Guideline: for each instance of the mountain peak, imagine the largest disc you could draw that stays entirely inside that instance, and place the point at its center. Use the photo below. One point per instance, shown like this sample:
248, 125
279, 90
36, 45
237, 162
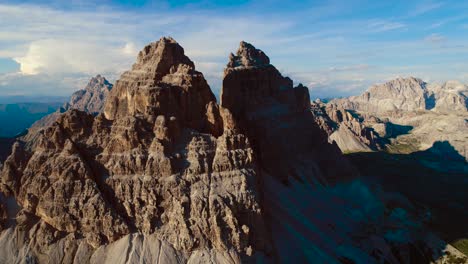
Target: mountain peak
163, 81
98, 83
248, 56
159, 57
406, 82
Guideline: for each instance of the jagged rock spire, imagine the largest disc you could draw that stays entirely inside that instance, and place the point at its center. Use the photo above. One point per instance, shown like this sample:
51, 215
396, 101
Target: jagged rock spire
98, 82
163, 81
250, 81
247, 56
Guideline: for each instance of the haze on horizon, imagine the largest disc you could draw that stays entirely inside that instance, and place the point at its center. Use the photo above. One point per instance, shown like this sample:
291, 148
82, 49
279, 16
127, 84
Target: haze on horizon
336, 48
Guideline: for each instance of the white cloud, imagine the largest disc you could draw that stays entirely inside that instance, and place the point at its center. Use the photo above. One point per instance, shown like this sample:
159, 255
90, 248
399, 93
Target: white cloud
64, 56
378, 26
426, 7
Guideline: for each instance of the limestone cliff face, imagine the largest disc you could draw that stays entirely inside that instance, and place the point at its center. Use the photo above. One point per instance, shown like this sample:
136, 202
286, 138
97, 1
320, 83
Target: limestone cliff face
452, 96
167, 175
162, 81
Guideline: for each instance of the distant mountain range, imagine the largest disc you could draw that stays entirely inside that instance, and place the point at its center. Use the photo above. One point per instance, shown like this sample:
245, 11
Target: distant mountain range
402, 116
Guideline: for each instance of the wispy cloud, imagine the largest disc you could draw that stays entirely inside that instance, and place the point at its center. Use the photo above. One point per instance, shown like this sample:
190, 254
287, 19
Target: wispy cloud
426, 7
358, 67
378, 26
435, 38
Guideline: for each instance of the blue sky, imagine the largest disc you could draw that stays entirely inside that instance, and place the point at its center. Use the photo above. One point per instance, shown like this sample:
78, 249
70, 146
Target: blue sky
336, 48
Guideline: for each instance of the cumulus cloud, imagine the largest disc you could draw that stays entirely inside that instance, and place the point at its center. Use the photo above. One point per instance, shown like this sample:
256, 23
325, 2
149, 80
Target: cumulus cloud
64, 56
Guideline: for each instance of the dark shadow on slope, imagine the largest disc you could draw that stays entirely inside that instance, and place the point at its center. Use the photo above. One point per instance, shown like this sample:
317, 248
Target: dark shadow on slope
5, 148
430, 101
355, 115
394, 130
435, 180
7, 143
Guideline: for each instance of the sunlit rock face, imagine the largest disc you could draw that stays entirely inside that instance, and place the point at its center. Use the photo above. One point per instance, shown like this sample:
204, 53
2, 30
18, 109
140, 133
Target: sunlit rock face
409, 94
163, 81
167, 175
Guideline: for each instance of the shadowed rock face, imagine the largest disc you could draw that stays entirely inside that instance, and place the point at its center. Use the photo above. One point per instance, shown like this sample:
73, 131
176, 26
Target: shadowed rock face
277, 118
166, 174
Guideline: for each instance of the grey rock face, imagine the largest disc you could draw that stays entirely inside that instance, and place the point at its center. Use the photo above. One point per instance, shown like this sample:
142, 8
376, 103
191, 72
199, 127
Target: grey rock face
408, 94
92, 98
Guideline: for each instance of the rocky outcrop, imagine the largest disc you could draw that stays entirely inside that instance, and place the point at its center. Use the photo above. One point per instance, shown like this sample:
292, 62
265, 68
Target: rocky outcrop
270, 107
165, 174
348, 130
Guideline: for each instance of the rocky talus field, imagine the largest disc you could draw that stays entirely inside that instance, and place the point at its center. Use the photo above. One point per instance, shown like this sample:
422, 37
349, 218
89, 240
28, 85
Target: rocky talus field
160, 172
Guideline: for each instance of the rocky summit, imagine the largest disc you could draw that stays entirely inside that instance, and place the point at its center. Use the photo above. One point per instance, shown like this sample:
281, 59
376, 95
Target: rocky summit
410, 94
165, 174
